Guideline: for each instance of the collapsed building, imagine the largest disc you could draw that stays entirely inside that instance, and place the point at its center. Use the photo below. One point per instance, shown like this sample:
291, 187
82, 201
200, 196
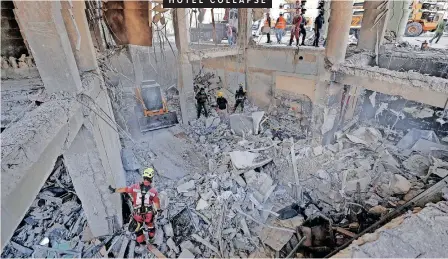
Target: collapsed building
340, 151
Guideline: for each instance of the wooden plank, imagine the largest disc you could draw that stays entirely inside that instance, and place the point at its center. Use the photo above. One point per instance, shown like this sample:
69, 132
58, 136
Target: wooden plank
344, 231
155, 251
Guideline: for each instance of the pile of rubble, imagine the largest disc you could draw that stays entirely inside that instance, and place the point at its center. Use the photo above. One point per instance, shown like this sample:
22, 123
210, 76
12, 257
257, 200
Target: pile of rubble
22, 62
253, 195
55, 225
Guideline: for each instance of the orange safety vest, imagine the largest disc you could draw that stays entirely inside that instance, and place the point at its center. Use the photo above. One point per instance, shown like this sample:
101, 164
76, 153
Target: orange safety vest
281, 23
266, 22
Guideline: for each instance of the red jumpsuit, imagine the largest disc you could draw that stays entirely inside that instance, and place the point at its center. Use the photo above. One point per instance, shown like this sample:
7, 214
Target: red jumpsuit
295, 30
145, 214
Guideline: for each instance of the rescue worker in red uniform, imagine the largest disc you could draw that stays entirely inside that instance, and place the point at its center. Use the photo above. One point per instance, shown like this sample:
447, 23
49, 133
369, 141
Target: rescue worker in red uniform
146, 204
295, 29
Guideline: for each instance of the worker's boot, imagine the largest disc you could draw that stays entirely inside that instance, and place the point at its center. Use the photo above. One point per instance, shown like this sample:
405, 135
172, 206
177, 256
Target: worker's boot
290, 42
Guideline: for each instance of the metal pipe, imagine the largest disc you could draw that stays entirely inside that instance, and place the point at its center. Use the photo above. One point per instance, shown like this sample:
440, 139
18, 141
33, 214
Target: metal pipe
296, 247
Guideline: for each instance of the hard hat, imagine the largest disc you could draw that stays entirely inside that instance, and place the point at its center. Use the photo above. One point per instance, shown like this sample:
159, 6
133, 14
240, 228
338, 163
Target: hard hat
220, 94
240, 84
149, 172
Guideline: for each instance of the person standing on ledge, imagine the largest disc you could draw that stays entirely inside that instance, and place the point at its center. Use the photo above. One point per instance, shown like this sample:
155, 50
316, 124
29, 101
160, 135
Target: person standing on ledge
280, 26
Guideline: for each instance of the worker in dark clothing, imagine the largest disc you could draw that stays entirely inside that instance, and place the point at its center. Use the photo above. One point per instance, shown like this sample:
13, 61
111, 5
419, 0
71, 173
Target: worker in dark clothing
201, 98
240, 96
318, 23
302, 29
267, 27
221, 102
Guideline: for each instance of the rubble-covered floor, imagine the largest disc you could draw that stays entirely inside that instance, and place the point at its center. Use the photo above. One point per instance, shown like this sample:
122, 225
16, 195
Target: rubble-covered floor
229, 201
413, 235
55, 225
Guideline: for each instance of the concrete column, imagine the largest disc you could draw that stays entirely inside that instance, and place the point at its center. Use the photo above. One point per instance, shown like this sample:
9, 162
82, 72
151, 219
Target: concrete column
75, 20
338, 30
244, 26
328, 95
373, 24
244, 37
47, 37
327, 13
398, 17
91, 181
185, 69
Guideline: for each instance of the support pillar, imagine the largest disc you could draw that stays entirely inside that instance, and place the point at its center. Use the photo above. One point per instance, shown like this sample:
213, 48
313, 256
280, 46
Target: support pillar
185, 69
327, 13
244, 37
398, 17
338, 30
373, 24
91, 181
47, 37
328, 95
75, 20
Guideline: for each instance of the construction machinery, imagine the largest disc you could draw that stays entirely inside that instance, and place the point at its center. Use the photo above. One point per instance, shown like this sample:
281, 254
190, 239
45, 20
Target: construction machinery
152, 111
424, 17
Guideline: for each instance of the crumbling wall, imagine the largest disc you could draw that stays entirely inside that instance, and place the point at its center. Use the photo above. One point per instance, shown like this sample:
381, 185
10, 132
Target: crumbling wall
269, 69
12, 41
399, 114
426, 63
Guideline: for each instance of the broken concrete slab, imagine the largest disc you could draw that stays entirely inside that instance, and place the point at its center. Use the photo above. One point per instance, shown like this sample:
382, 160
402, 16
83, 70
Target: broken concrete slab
168, 230
245, 160
365, 135
241, 124
185, 187
414, 135
186, 254
275, 238
130, 162
170, 243
425, 147
256, 119
212, 122
399, 184
352, 177
441, 172
417, 164
202, 204
318, 150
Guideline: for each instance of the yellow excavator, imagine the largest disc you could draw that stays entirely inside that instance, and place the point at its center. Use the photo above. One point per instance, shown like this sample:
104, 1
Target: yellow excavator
424, 17
152, 111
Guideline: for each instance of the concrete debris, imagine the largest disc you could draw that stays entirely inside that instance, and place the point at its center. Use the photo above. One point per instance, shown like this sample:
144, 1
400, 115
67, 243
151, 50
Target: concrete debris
399, 184
168, 230
418, 112
425, 147
212, 122
186, 254
351, 179
53, 226
130, 162
202, 204
245, 160
417, 164
441, 172
367, 136
378, 210
185, 187
414, 135
170, 243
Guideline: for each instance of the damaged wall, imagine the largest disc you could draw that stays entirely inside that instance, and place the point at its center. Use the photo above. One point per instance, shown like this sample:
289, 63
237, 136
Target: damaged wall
387, 110
271, 70
12, 41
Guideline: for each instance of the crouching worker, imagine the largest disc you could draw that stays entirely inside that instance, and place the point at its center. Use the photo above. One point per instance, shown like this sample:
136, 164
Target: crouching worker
146, 205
